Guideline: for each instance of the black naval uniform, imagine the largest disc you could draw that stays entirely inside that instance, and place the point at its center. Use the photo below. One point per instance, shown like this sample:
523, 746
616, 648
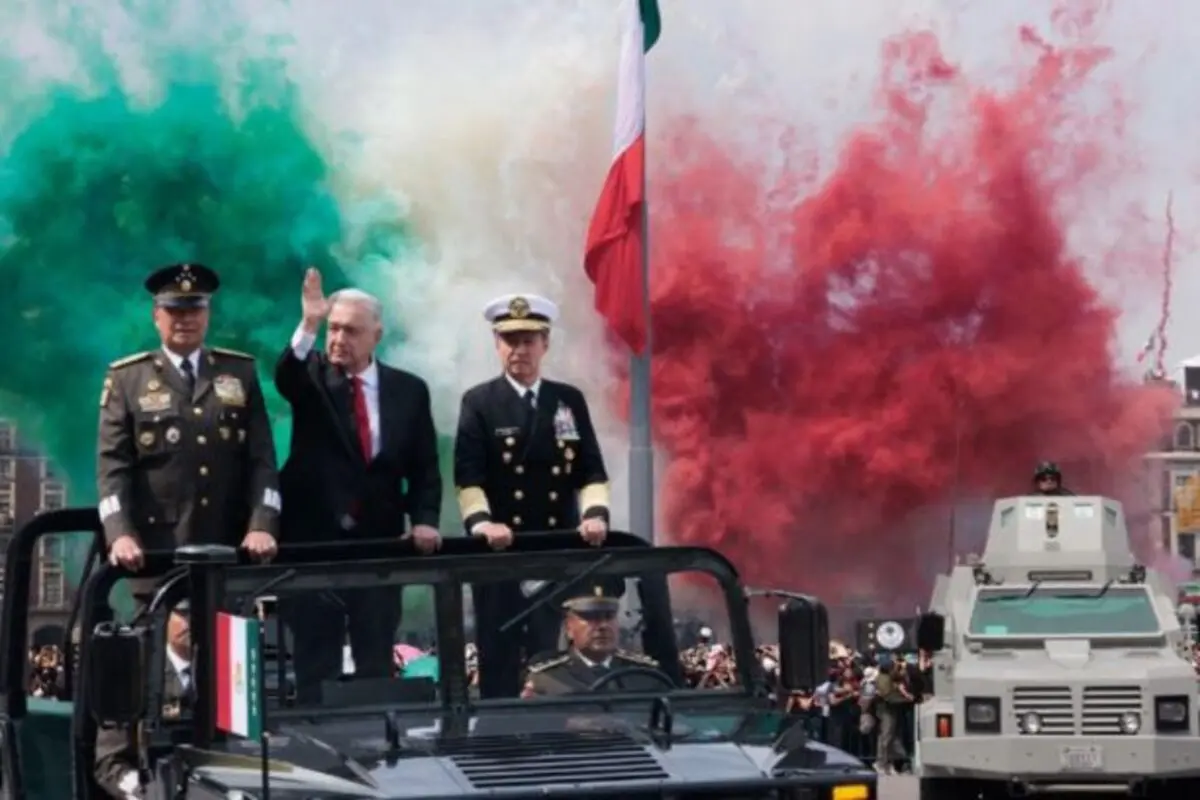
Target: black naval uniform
534, 470
179, 465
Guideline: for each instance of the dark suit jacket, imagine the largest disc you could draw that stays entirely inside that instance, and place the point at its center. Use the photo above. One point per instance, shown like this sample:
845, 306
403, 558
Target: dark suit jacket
326, 478
532, 474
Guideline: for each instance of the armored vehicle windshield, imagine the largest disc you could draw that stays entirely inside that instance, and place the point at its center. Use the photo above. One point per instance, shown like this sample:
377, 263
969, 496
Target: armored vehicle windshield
1063, 611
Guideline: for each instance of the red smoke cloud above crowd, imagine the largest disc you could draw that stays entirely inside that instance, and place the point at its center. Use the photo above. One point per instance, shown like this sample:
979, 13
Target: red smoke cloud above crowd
913, 327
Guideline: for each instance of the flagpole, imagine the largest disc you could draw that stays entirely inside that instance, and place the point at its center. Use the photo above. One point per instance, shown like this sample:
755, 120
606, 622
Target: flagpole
641, 450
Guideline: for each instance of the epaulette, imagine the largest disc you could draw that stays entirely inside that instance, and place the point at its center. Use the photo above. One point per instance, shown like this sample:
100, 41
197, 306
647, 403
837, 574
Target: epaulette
636, 658
542, 666
222, 351
133, 359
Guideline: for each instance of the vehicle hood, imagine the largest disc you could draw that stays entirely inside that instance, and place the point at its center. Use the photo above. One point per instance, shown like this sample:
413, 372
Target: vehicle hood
520, 754
1053, 664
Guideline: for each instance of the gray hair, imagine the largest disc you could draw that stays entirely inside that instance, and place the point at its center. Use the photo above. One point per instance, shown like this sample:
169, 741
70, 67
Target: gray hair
361, 298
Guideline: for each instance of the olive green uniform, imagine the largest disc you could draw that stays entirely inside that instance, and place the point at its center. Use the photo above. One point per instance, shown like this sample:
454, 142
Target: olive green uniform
571, 673
176, 467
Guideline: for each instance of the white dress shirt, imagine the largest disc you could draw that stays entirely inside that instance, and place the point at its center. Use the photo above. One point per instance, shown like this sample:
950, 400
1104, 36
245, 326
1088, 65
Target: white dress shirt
177, 361
521, 390
302, 345
183, 669
606, 663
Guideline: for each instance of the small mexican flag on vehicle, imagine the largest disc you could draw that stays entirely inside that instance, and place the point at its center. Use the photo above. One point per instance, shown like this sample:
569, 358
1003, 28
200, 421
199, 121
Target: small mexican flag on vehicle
239, 676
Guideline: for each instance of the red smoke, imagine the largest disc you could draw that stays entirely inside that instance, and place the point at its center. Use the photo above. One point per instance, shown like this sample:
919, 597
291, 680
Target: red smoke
820, 362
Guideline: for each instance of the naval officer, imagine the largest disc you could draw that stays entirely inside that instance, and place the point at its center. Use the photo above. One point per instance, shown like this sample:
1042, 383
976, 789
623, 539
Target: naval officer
526, 459
184, 452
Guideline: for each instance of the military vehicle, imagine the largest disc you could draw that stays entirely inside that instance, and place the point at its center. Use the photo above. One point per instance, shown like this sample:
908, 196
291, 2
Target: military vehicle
1058, 663
427, 737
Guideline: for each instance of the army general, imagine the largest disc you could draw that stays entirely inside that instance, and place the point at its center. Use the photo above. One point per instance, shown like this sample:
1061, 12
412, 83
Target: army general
526, 458
184, 452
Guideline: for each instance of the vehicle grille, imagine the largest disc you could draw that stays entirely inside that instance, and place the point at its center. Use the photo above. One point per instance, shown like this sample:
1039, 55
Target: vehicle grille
1102, 708
510, 762
1053, 704
1104, 705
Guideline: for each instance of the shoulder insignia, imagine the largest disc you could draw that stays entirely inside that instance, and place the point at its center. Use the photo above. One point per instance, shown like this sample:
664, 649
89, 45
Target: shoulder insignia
133, 359
542, 666
636, 658
222, 351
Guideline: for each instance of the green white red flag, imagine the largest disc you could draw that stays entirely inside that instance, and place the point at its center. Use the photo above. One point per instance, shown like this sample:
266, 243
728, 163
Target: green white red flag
239, 676
614, 257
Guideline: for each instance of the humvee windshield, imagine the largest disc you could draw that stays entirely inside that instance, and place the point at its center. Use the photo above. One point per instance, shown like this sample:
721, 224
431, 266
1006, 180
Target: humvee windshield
1063, 612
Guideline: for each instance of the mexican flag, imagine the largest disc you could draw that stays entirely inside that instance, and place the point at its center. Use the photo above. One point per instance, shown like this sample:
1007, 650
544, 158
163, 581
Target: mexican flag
613, 258
239, 676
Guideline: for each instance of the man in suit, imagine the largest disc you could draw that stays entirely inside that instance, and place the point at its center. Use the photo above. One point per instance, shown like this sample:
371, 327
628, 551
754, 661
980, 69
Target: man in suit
593, 634
526, 458
184, 451
116, 766
363, 457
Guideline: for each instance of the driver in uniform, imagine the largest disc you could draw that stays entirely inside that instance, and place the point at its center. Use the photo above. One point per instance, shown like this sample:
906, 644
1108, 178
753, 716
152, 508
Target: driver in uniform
592, 632
1048, 480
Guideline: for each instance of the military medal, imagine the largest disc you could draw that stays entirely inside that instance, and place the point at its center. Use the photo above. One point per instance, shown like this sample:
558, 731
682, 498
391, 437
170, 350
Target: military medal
241, 435
225, 433
564, 424
569, 454
229, 389
146, 438
173, 435
152, 385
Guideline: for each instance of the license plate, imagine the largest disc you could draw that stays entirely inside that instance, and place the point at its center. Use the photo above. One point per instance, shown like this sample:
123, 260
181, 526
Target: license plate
1082, 759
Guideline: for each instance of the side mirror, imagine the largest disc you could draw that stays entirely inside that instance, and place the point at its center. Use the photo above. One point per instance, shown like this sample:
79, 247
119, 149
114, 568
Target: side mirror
931, 632
116, 688
803, 644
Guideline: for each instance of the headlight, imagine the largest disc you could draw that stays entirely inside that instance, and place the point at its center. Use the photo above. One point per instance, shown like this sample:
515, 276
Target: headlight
1031, 723
1171, 713
1131, 723
982, 714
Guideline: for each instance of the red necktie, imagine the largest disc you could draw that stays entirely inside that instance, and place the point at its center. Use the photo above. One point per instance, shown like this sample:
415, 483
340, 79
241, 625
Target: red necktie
362, 420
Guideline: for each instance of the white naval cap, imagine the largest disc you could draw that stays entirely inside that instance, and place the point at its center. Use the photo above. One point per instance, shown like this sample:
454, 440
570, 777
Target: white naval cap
520, 312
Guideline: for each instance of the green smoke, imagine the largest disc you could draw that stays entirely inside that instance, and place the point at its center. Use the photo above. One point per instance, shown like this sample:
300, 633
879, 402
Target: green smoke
99, 185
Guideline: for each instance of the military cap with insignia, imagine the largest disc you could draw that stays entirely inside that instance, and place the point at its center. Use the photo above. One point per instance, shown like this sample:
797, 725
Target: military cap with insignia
520, 312
603, 595
182, 286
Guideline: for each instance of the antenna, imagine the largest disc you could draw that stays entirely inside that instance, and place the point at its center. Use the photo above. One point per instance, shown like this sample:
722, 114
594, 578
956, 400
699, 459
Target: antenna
952, 534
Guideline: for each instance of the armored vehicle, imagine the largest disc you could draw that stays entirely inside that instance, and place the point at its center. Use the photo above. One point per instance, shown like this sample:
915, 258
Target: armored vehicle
422, 737
1058, 662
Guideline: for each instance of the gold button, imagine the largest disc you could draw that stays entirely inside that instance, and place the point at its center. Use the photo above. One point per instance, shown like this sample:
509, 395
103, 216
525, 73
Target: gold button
198, 411
555, 470
510, 441
520, 470
150, 520
552, 522
554, 495
516, 520
519, 494
204, 470
201, 440
203, 501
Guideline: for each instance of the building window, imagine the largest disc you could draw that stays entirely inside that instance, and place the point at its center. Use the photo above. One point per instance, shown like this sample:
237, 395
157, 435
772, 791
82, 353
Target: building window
54, 496
8, 469
51, 579
1184, 437
52, 586
8, 436
49, 473
1187, 546
8, 497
